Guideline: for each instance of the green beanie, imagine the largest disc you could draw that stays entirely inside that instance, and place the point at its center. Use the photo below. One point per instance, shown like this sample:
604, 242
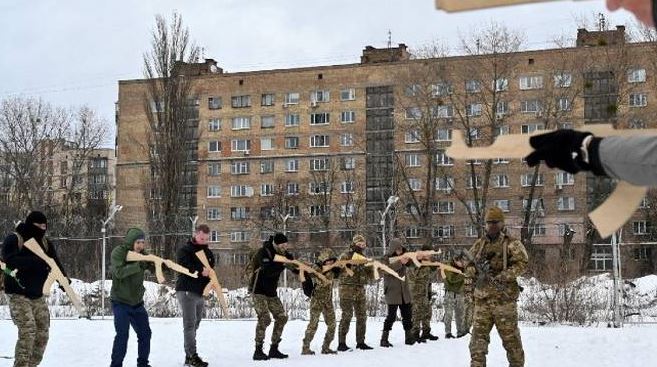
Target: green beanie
133, 235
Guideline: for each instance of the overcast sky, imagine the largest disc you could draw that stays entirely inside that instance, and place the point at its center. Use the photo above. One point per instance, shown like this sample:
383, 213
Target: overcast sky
73, 52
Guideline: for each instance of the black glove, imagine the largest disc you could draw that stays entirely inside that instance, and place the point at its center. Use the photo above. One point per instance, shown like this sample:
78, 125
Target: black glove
336, 272
559, 149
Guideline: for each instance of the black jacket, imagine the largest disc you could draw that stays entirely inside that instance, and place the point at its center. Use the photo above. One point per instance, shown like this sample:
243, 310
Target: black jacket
32, 271
186, 256
265, 279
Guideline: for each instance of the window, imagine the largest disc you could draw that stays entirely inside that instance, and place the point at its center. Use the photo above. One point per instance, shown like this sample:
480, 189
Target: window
530, 128
214, 146
347, 187
266, 190
267, 122
415, 184
293, 211
501, 181
472, 86
441, 89
637, 124
319, 141
240, 236
413, 113
412, 160
240, 145
473, 206
214, 125
215, 236
240, 101
500, 161
348, 94
501, 85
601, 258
292, 188
214, 103
238, 191
315, 188
321, 164
213, 214
214, 169
445, 183
347, 117
565, 203
214, 191
241, 123
501, 109
474, 182
443, 207
443, 231
539, 229
474, 133
642, 253
318, 210
267, 99
471, 231
291, 98
444, 111
347, 210
531, 82
412, 232
638, 100
266, 143
443, 134
563, 80
504, 204
412, 90
292, 119
645, 203
536, 205
239, 168
564, 104
291, 142
528, 178
320, 96
347, 139
292, 165
321, 118
412, 209
473, 110
443, 160
267, 166
502, 130
240, 213
347, 163
641, 227
636, 76
530, 106
412, 136
564, 178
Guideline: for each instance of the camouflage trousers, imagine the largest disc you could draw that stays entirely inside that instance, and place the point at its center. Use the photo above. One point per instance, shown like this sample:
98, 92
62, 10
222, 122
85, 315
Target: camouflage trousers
454, 306
504, 315
352, 300
317, 308
263, 306
421, 313
468, 311
32, 318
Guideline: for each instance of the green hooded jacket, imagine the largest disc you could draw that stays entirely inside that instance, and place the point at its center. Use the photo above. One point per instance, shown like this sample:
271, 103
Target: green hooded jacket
127, 277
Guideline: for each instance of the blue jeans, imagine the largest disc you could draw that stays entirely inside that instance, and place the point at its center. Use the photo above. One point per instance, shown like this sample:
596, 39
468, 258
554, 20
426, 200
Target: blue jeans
125, 316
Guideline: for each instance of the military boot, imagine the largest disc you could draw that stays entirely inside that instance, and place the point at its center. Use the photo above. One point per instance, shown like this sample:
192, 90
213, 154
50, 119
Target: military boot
410, 338
342, 347
327, 350
426, 335
363, 346
259, 355
384, 339
306, 351
275, 353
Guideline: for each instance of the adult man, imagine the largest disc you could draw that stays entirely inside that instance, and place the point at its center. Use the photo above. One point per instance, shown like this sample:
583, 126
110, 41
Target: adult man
189, 291
420, 279
321, 303
127, 296
398, 296
454, 301
352, 297
263, 284
498, 259
27, 305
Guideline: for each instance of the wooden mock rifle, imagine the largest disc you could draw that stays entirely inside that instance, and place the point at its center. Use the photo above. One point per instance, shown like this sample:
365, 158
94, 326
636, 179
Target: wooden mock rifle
10, 273
56, 275
376, 266
214, 283
302, 267
158, 261
443, 267
413, 256
460, 5
343, 264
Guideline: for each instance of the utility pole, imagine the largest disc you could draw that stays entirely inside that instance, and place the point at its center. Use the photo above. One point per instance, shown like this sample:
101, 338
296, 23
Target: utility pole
113, 210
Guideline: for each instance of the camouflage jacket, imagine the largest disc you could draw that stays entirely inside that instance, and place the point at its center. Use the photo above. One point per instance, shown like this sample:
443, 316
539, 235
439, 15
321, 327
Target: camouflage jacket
420, 280
362, 274
503, 272
323, 292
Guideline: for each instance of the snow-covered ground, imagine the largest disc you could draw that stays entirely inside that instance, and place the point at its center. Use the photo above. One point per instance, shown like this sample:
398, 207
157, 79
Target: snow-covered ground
84, 343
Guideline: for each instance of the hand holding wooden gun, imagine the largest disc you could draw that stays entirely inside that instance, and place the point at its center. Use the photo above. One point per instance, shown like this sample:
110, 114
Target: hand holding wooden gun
158, 261
214, 283
344, 264
413, 256
376, 266
301, 266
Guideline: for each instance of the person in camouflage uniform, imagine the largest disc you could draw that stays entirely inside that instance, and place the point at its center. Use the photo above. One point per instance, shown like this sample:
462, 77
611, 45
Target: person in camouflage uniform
454, 302
352, 297
321, 303
498, 260
468, 297
420, 283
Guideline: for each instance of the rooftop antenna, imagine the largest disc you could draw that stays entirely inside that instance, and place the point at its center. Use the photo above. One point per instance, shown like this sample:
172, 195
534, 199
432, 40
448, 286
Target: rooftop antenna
478, 44
602, 22
389, 39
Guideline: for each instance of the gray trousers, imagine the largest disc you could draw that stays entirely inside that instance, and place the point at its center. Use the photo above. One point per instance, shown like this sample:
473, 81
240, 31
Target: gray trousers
192, 306
454, 304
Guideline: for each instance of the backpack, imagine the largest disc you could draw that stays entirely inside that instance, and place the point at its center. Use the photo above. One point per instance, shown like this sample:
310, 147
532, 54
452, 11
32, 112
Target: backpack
308, 287
251, 267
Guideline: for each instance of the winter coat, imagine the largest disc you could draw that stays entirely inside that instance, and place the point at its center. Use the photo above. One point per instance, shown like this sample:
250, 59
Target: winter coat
32, 270
396, 292
265, 279
362, 274
127, 276
186, 256
454, 282
632, 159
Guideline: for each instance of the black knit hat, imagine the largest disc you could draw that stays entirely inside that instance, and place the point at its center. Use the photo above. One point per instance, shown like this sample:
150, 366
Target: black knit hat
279, 238
36, 217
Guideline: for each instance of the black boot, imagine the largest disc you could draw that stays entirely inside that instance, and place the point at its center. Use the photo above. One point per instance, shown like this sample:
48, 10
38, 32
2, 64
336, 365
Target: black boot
462, 334
409, 337
275, 353
259, 355
449, 336
195, 361
363, 346
426, 335
342, 347
384, 339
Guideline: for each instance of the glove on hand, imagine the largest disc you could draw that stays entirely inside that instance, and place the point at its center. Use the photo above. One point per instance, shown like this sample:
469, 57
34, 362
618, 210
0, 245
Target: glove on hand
559, 149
